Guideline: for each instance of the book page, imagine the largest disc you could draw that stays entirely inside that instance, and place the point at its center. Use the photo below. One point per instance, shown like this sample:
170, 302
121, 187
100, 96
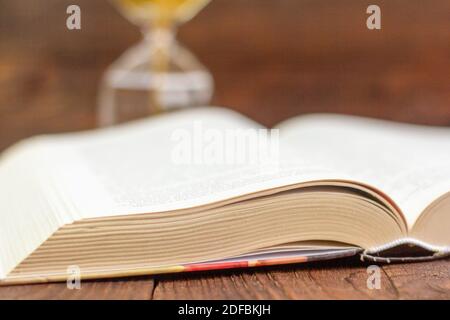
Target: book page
169, 162
409, 163
30, 207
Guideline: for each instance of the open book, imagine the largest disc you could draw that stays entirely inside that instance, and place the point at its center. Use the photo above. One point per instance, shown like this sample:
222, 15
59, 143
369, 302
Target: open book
167, 194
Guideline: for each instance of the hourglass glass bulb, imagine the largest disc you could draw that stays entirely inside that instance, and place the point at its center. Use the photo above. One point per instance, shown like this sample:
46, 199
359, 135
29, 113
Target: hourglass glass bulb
154, 12
158, 74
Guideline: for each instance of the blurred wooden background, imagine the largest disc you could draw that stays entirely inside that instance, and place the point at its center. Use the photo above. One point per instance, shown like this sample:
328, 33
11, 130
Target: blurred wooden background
271, 59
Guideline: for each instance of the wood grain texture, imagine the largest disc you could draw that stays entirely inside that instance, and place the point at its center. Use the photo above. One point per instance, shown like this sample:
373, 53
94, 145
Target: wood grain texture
129, 289
341, 279
271, 60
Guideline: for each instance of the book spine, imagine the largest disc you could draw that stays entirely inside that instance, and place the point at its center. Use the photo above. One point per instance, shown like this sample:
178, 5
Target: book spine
374, 258
376, 254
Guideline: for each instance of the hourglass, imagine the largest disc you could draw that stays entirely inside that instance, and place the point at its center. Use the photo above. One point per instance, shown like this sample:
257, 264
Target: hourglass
158, 74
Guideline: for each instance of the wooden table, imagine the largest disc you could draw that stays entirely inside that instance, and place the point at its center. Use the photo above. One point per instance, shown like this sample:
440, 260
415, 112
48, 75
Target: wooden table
271, 60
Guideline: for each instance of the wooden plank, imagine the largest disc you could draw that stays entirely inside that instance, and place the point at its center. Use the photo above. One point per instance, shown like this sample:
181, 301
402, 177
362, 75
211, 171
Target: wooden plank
343, 279
429, 280
121, 289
